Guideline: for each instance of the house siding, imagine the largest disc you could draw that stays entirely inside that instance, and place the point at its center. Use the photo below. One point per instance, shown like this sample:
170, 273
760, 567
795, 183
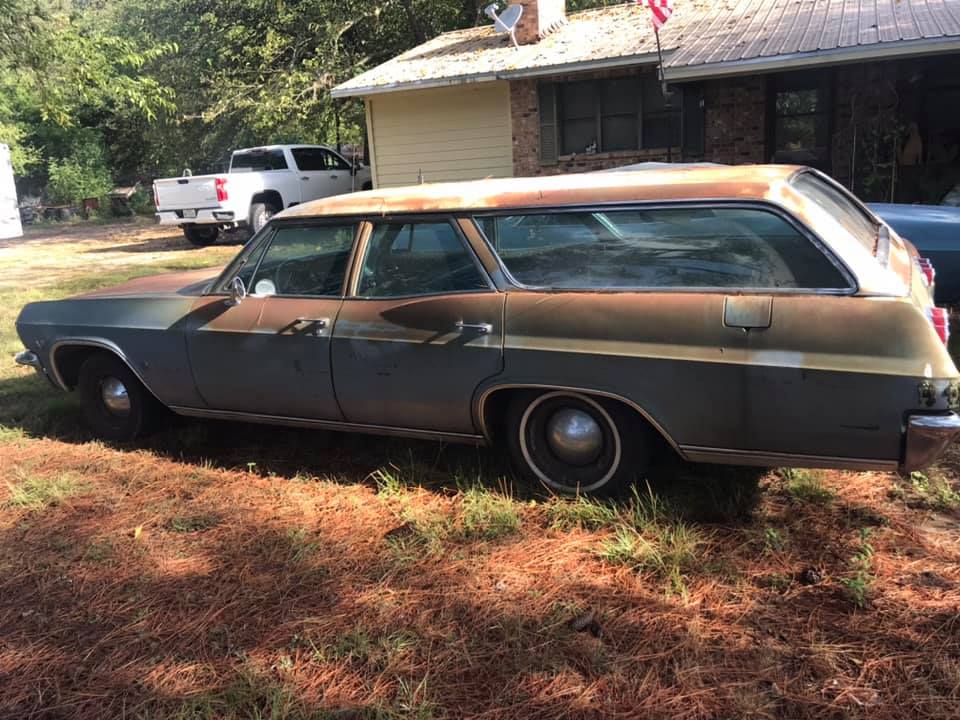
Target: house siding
442, 134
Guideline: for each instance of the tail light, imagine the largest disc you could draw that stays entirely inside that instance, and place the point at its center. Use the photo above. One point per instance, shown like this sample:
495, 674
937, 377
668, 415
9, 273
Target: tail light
940, 318
220, 184
156, 198
926, 269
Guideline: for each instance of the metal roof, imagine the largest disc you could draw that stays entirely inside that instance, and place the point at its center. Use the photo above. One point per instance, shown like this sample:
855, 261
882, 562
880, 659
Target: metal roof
701, 40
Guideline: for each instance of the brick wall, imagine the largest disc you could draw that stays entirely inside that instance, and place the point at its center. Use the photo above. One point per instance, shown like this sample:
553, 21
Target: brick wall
734, 128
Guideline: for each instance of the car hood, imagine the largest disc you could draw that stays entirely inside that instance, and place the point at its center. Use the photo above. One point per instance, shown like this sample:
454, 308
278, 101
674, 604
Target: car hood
189, 282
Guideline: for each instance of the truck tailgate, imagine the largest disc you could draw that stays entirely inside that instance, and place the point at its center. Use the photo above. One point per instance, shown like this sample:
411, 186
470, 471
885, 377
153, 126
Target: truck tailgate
187, 192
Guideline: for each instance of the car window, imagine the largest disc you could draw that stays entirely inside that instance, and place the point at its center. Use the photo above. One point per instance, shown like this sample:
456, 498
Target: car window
660, 247
841, 208
304, 261
258, 161
310, 159
417, 259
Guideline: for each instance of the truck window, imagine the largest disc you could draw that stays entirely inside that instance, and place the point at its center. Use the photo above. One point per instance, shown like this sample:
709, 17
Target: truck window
318, 159
258, 161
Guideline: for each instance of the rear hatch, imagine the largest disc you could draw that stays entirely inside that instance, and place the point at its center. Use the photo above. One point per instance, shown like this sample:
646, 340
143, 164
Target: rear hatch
186, 193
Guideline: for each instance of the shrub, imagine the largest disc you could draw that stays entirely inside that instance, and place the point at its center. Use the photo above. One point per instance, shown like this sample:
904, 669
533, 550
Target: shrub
82, 174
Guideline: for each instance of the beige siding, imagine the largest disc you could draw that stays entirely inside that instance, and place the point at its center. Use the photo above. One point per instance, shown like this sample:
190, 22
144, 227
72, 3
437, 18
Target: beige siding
456, 133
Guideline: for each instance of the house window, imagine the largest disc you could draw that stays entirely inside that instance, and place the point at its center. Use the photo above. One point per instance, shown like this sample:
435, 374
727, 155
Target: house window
625, 113
800, 132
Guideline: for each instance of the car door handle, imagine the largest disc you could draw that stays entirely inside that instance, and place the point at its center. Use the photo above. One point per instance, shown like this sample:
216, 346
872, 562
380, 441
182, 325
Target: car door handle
479, 328
304, 178
334, 177
314, 326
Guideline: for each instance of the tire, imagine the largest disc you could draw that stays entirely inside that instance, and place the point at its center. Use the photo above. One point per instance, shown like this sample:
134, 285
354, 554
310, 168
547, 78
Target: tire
201, 235
367, 186
612, 448
260, 214
130, 411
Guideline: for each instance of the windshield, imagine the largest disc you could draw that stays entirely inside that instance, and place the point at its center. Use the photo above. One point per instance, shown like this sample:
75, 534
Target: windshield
846, 212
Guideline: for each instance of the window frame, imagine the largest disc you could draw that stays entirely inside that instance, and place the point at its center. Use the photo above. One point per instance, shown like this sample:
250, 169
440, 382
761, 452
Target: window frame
221, 287
360, 254
844, 270
821, 81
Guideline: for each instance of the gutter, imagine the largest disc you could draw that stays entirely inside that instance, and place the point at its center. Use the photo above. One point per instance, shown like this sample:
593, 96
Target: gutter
546, 70
814, 58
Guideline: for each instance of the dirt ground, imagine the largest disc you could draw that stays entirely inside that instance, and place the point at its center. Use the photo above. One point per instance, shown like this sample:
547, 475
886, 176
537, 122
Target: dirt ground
233, 571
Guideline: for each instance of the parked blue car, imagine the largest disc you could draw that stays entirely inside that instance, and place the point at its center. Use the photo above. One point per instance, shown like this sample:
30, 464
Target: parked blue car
935, 231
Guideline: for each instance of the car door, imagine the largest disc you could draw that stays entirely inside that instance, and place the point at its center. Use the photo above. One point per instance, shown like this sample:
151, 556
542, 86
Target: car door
321, 173
422, 329
270, 354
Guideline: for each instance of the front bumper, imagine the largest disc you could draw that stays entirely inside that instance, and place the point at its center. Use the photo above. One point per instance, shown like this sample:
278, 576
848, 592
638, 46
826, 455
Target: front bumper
927, 437
28, 358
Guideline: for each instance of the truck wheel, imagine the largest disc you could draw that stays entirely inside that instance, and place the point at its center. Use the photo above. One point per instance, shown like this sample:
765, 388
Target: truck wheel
575, 444
114, 404
201, 235
367, 186
260, 214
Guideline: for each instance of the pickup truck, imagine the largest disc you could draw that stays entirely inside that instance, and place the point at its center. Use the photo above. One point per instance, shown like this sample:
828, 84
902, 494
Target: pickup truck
261, 181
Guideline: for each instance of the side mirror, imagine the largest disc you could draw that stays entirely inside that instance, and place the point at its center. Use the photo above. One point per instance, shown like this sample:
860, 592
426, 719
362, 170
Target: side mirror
238, 291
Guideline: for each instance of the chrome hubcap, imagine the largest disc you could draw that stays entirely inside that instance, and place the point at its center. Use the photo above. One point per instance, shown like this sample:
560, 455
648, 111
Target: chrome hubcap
574, 436
114, 395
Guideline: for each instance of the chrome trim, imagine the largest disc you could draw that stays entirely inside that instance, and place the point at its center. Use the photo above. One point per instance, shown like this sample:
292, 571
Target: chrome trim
481, 400
283, 420
761, 458
28, 358
927, 436
101, 343
479, 328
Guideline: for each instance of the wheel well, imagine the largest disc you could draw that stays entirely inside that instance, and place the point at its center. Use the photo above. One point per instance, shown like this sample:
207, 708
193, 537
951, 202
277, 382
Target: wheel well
269, 197
68, 359
495, 404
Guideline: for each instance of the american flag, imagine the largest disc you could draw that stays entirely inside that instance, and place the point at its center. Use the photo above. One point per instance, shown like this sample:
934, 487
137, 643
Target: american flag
660, 11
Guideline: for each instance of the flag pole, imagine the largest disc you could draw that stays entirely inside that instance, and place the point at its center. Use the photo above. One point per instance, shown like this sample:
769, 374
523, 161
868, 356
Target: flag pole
663, 82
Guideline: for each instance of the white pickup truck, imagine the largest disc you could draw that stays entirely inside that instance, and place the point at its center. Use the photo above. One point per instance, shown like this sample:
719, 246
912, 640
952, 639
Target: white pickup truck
261, 181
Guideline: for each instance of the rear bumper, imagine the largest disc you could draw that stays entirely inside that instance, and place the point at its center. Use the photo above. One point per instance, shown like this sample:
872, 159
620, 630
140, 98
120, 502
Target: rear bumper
204, 217
927, 437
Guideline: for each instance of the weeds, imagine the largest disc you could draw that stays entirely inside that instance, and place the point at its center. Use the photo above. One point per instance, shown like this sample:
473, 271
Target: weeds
857, 587
582, 512
934, 491
805, 485
192, 523
36, 492
487, 514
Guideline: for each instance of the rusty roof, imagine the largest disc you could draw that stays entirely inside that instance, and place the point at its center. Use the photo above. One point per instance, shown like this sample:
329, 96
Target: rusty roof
701, 39
732, 182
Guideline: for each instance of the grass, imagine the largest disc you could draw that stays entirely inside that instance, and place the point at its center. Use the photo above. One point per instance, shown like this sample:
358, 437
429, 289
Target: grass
35, 492
338, 577
805, 486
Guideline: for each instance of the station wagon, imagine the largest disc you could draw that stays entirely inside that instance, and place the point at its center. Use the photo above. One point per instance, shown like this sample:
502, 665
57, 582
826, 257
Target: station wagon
751, 315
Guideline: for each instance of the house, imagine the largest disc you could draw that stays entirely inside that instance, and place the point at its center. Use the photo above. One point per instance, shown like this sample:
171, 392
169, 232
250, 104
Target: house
869, 92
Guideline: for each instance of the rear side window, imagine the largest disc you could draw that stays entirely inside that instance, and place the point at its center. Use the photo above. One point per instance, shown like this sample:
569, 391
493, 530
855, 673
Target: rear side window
317, 159
258, 161
417, 259
853, 219
737, 248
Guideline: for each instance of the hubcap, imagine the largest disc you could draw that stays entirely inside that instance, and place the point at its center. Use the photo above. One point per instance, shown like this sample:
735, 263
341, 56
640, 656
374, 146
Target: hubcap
114, 395
574, 436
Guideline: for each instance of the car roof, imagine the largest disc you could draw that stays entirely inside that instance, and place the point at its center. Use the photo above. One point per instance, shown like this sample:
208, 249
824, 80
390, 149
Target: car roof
734, 182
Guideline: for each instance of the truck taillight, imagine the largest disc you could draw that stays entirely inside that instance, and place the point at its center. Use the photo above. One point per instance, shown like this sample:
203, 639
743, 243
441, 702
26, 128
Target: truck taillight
926, 269
156, 197
220, 184
940, 318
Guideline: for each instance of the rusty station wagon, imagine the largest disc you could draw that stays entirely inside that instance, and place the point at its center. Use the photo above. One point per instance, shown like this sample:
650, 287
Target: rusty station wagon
750, 315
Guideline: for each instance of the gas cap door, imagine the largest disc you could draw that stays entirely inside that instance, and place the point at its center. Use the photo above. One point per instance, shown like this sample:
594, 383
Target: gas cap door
749, 312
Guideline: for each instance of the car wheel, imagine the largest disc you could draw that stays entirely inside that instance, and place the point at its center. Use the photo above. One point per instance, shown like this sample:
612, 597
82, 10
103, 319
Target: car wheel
260, 214
114, 403
201, 235
575, 444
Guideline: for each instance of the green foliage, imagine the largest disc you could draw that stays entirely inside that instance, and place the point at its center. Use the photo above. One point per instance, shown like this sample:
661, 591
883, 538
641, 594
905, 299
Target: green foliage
487, 514
934, 491
805, 485
582, 512
35, 492
83, 174
858, 585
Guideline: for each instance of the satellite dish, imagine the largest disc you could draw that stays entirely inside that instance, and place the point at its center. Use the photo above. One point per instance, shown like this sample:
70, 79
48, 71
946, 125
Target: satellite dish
507, 22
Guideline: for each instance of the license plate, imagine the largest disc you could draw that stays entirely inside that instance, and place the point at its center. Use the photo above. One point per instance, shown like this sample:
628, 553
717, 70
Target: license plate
189, 213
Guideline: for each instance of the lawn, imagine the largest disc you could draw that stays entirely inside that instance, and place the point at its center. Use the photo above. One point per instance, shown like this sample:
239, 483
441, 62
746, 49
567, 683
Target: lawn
232, 571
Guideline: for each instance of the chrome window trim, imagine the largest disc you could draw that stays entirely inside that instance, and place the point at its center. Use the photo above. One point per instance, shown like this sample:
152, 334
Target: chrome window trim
760, 205
413, 219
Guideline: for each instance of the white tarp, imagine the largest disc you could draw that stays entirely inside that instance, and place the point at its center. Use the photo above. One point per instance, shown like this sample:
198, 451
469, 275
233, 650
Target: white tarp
9, 211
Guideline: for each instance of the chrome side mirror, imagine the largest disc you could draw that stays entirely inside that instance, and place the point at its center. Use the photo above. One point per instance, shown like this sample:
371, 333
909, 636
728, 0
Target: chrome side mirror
238, 291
